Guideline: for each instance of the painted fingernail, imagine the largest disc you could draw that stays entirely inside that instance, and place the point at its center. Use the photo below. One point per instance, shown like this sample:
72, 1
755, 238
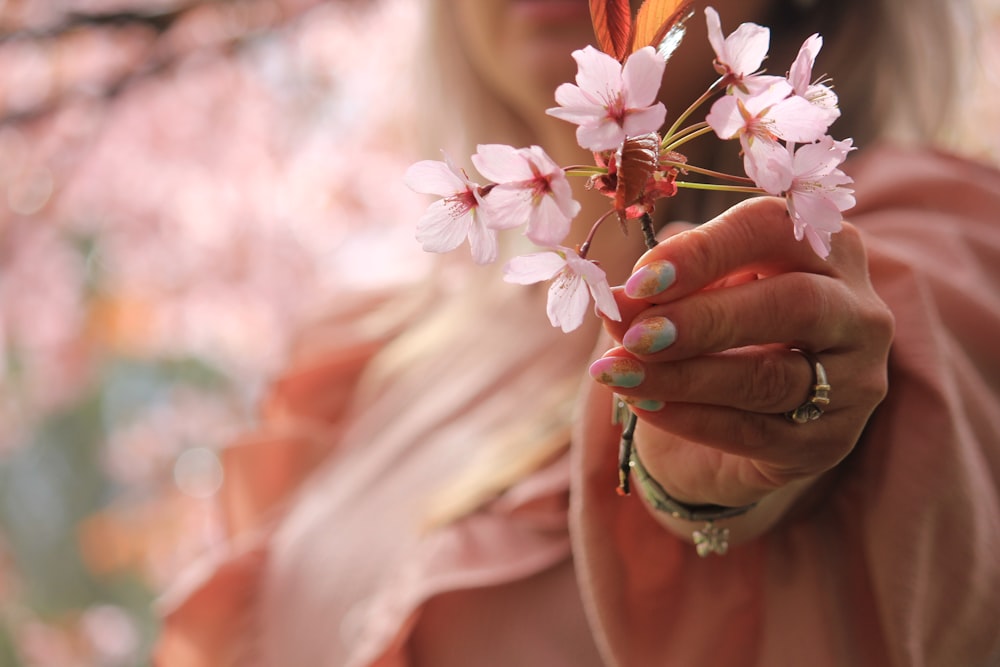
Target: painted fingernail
650, 336
650, 279
647, 404
618, 372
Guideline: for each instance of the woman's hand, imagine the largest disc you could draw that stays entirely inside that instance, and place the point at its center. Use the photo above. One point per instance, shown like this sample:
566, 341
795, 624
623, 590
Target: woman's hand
709, 318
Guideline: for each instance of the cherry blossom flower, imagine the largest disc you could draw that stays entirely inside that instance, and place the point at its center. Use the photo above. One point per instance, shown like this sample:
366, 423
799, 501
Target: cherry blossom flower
530, 188
609, 101
457, 215
572, 277
800, 76
739, 56
812, 184
758, 121
774, 113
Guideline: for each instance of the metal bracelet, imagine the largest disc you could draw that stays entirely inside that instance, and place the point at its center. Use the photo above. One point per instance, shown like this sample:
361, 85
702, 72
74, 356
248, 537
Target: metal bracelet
664, 502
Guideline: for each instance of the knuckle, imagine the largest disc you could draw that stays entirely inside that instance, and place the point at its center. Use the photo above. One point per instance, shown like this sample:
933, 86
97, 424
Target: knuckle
879, 323
817, 311
684, 379
698, 250
715, 325
850, 238
813, 307
770, 381
873, 387
849, 248
740, 225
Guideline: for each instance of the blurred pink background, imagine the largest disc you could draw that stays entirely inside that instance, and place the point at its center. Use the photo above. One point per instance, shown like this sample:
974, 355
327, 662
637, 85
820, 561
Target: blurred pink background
182, 182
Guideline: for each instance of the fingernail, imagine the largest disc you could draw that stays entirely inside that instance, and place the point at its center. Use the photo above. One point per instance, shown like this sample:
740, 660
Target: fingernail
647, 404
618, 372
650, 336
650, 279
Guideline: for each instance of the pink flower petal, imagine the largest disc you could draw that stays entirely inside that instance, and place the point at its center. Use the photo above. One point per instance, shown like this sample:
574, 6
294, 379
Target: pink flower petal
821, 158
715, 36
562, 193
813, 209
508, 207
746, 48
531, 190
501, 163
760, 102
543, 163
483, 242
568, 301
533, 268
440, 229
725, 117
448, 221
795, 119
800, 73
642, 76
604, 300
597, 72
597, 281
433, 177
575, 280
548, 225
609, 96
820, 242
743, 51
574, 101
816, 199
644, 121
755, 84
579, 115
769, 164
607, 136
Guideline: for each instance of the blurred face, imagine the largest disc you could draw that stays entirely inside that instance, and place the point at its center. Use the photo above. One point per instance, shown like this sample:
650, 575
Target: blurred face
521, 48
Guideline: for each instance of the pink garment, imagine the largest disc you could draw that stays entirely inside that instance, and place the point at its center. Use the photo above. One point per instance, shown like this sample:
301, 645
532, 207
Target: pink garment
896, 563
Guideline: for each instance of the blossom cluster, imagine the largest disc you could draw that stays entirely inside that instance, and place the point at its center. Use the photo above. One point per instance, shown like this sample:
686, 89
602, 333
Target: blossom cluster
780, 122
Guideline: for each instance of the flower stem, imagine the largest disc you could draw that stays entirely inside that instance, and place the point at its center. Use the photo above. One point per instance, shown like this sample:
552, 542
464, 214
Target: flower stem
685, 137
625, 454
584, 170
681, 134
585, 246
683, 166
648, 234
721, 188
712, 90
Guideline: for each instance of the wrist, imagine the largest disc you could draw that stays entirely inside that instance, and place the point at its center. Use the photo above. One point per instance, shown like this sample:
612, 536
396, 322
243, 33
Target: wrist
714, 528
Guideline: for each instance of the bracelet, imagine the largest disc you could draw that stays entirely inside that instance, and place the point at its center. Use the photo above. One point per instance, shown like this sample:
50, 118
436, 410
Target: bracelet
710, 539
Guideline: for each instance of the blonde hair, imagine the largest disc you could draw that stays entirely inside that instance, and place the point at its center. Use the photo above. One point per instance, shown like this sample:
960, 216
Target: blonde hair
891, 85
898, 65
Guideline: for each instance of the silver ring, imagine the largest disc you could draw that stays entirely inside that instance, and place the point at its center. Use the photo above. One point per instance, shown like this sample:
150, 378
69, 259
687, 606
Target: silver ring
819, 396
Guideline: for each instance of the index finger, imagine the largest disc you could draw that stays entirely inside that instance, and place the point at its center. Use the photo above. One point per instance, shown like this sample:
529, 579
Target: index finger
755, 236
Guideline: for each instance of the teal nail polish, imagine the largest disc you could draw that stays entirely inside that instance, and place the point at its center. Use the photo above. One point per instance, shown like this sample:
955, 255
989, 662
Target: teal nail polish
650, 335
650, 280
647, 404
618, 372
